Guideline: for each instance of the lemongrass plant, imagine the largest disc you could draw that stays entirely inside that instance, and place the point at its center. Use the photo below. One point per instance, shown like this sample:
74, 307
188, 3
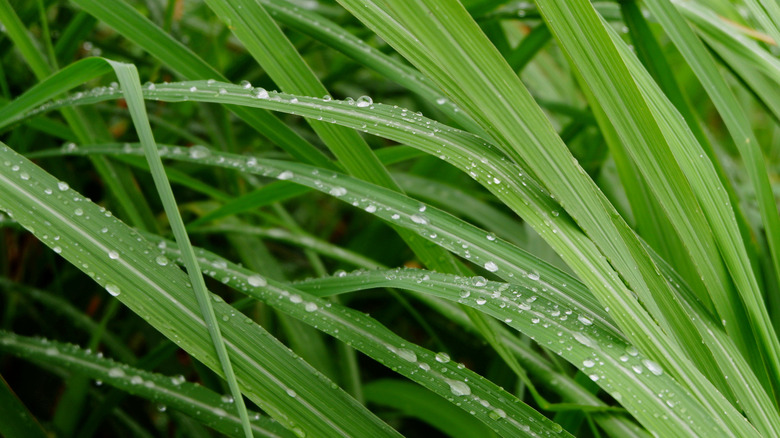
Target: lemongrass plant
549, 219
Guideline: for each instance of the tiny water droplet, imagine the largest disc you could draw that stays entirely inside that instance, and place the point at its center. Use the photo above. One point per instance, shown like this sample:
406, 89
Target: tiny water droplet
198, 151
458, 388
478, 281
285, 175
653, 367
257, 281
112, 289
338, 191
584, 320
442, 357
364, 101
260, 93
491, 266
418, 219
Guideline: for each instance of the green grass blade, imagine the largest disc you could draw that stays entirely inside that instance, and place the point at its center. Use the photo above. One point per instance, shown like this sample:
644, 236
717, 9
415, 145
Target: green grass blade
327, 32
18, 421
174, 392
738, 125
458, 153
490, 92
414, 401
496, 408
158, 292
119, 180
128, 78
184, 62
78, 318
274, 52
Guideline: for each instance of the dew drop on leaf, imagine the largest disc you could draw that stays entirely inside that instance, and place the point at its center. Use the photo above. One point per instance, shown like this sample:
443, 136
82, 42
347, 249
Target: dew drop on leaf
256, 281
458, 388
112, 289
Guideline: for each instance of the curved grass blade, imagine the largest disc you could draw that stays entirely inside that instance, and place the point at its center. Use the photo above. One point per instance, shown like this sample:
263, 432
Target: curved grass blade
414, 401
442, 40
460, 149
498, 409
579, 337
275, 53
137, 28
119, 180
78, 319
445, 230
327, 32
116, 257
196, 401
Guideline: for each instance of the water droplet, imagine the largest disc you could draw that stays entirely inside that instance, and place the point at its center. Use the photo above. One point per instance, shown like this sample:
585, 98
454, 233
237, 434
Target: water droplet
406, 354
653, 367
198, 151
310, 307
637, 368
371, 208
533, 276
478, 281
419, 219
112, 289
497, 414
113, 255
632, 351
285, 175
245, 85
62, 185
116, 372
178, 380
464, 293
338, 191
458, 388
587, 363
296, 299
256, 281
78, 212
584, 320
582, 339
442, 357
480, 301
290, 392
24, 175
57, 249
260, 93
161, 260
364, 101
491, 266
491, 237
441, 101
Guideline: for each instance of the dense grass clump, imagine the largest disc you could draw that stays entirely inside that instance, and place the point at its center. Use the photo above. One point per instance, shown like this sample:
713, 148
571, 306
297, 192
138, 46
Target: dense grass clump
373, 218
